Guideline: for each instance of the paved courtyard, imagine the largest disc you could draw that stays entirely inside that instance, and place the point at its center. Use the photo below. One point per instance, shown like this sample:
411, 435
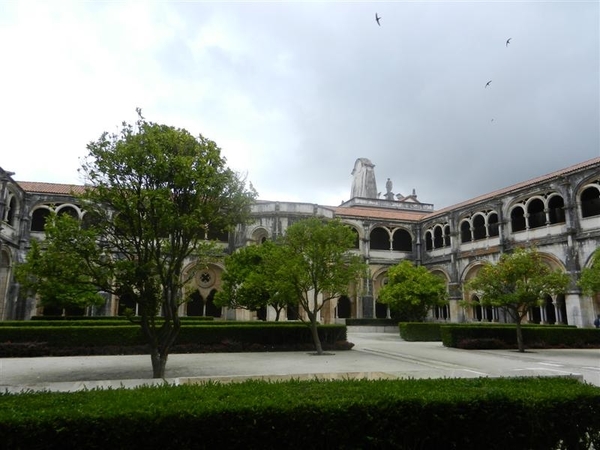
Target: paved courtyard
375, 355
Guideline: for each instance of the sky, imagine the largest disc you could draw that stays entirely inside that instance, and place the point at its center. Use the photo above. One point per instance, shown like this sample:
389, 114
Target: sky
293, 93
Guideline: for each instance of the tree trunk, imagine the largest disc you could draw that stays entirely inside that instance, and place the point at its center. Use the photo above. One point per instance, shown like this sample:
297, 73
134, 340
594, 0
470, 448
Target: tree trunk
159, 363
520, 343
315, 334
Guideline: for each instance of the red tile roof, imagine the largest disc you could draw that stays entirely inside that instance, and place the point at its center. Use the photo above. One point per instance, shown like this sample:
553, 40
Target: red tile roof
521, 185
51, 188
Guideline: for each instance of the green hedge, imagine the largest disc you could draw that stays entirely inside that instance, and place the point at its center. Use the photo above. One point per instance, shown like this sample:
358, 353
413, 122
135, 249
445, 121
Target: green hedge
420, 331
505, 336
124, 335
92, 321
510, 413
371, 322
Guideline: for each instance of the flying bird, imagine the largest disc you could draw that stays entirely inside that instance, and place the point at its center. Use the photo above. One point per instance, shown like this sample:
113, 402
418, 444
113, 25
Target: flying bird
488, 83
377, 19
508, 41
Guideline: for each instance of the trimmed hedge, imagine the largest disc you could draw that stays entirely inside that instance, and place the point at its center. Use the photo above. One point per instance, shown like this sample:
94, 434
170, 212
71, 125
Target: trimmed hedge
420, 331
55, 340
371, 322
523, 413
505, 336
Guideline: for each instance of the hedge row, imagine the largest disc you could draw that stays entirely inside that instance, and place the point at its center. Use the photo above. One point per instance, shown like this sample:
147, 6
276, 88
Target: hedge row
523, 413
420, 331
505, 336
371, 322
114, 321
109, 318
131, 335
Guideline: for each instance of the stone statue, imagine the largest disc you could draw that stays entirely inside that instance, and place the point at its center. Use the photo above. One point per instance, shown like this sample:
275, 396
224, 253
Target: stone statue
363, 184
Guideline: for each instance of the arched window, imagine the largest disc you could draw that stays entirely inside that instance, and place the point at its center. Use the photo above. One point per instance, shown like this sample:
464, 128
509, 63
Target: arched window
69, 210
465, 232
402, 241
380, 239
517, 219
11, 211
537, 215
556, 209
195, 304
38, 219
217, 235
493, 226
344, 310
447, 235
211, 308
477, 311
438, 239
356, 243
428, 241
478, 227
590, 202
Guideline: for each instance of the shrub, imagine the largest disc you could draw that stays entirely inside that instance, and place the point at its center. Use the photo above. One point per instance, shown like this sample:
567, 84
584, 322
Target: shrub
420, 331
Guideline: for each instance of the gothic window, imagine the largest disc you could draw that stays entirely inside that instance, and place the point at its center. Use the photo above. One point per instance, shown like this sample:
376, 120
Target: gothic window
344, 310
69, 210
438, 240
478, 227
517, 219
402, 241
556, 209
211, 308
356, 243
590, 202
493, 228
537, 215
428, 241
380, 239
11, 211
465, 232
38, 219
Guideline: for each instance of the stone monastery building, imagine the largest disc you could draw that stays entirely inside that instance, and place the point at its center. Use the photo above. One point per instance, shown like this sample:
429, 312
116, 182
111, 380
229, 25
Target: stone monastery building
559, 213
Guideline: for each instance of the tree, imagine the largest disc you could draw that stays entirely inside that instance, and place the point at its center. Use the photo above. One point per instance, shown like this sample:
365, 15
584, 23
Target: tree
251, 280
412, 291
518, 282
315, 259
589, 282
52, 269
153, 191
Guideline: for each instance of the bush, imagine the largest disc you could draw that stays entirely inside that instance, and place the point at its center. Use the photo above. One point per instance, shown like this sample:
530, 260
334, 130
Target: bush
532, 413
420, 331
534, 336
371, 322
122, 339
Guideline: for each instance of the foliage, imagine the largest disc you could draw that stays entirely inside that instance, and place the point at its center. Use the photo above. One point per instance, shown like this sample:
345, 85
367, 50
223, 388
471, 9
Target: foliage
251, 279
519, 281
52, 269
412, 291
519, 413
590, 276
420, 331
314, 259
152, 193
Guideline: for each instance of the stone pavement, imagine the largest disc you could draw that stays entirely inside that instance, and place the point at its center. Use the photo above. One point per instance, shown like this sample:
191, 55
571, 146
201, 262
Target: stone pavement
375, 355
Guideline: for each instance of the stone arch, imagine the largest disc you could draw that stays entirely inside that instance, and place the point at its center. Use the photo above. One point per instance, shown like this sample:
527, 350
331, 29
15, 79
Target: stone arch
589, 199
479, 228
493, 226
39, 216
201, 287
380, 238
447, 239
259, 235
344, 307
438, 236
536, 212
517, 219
465, 231
428, 240
379, 280
401, 240
11, 210
69, 209
556, 209
475, 312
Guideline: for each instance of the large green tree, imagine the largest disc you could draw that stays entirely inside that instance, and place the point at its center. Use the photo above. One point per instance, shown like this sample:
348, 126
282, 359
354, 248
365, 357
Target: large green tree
412, 291
53, 267
153, 192
251, 280
590, 276
316, 260
518, 282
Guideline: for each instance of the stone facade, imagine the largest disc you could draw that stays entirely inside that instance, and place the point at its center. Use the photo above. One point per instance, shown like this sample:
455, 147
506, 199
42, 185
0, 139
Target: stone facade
559, 213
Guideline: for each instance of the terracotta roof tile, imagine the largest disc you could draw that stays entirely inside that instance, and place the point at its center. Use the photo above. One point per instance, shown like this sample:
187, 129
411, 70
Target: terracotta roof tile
521, 185
50, 188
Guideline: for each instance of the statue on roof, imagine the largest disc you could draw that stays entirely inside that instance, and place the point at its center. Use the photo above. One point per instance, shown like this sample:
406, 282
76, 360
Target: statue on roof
363, 184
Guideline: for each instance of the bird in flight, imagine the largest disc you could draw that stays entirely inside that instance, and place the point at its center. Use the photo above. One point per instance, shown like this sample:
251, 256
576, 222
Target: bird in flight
508, 41
488, 83
377, 19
